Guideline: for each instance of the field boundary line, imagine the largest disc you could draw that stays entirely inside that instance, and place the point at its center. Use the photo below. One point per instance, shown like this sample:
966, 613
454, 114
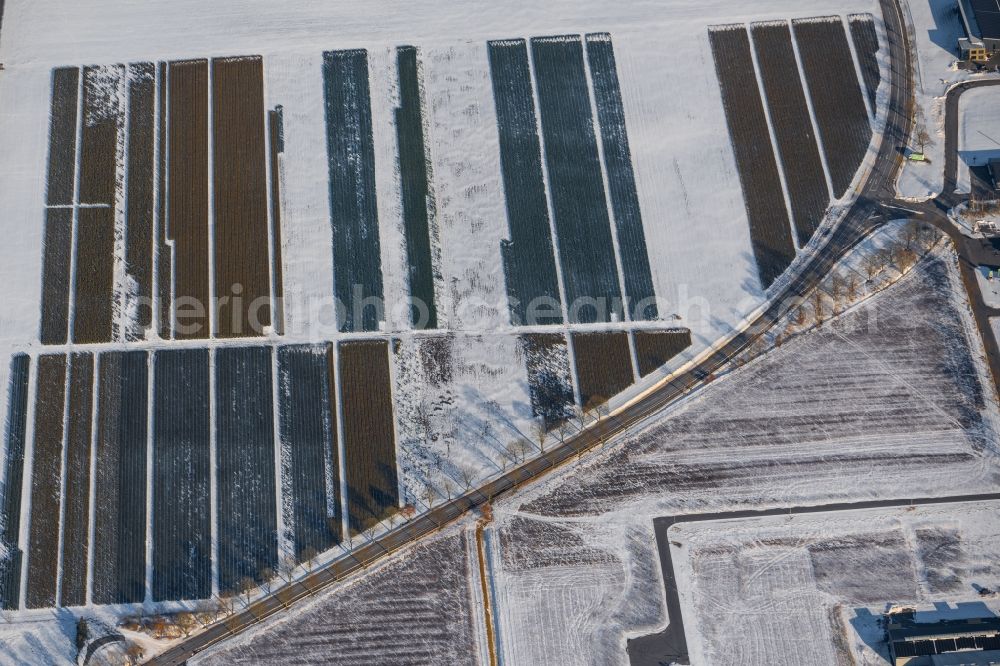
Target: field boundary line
88, 580
27, 474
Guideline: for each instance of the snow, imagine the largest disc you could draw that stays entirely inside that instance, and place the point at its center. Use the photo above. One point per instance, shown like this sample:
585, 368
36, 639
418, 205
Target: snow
937, 26
794, 589
979, 131
989, 285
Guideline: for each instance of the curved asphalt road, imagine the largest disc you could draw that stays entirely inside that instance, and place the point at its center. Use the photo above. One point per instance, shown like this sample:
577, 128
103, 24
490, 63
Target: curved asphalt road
858, 222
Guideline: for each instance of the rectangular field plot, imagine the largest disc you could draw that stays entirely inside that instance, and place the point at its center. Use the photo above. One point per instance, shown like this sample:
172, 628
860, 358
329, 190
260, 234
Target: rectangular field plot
528, 257
103, 117
275, 128
141, 187
62, 136
357, 262
770, 231
46, 471
603, 366
248, 537
640, 296
369, 433
546, 358
13, 475
413, 166
654, 349
55, 275
76, 494
583, 229
187, 192
182, 547
94, 295
866, 46
793, 130
308, 430
120, 479
240, 196
836, 97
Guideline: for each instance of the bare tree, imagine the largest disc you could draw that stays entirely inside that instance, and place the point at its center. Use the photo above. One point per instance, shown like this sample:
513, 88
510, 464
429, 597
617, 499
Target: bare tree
286, 567
564, 429
429, 494
267, 575
515, 449
186, 622
134, 653
309, 555
872, 266
468, 475
247, 586
541, 433
921, 136
818, 306
227, 602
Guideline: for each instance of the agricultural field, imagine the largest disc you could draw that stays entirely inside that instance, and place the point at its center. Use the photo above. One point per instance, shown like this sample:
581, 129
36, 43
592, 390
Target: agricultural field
210, 334
835, 414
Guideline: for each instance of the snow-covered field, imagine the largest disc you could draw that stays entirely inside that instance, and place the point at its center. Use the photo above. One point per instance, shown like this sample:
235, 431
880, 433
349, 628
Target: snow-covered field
809, 588
884, 401
979, 131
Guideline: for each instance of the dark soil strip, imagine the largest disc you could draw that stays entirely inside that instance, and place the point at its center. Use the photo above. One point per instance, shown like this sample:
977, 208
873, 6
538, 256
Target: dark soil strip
62, 136
357, 263
369, 438
866, 46
163, 251
654, 349
641, 297
793, 129
120, 511
242, 261
188, 195
276, 128
603, 366
46, 477
17, 420
102, 118
309, 438
528, 257
586, 251
413, 165
836, 97
55, 275
76, 522
248, 524
182, 536
770, 232
95, 248
550, 384
139, 221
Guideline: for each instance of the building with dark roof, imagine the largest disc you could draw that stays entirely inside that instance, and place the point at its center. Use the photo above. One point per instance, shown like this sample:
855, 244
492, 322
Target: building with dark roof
981, 19
970, 642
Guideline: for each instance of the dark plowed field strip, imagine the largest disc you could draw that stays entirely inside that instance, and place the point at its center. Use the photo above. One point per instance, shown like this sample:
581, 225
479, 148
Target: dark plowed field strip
793, 128
866, 46
528, 257
240, 194
357, 263
95, 247
139, 220
770, 232
369, 438
654, 349
621, 179
17, 421
836, 97
307, 419
76, 521
120, 480
182, 547
413, 165
102, 118
188, 193
164, 282
586, 250
546, 357
46, 475
248, 528
276, 129
55, 275
62, 136
603, 365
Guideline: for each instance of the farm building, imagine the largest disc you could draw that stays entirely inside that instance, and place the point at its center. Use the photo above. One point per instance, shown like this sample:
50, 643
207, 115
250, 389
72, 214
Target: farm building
981, 19
968, 642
